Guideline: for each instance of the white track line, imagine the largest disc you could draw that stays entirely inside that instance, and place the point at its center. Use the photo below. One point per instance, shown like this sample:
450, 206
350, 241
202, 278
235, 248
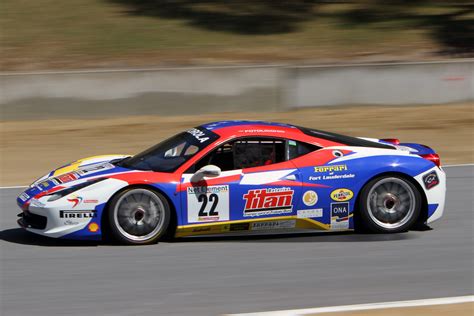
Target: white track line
460, 165
446, 166
14, 187
359, 307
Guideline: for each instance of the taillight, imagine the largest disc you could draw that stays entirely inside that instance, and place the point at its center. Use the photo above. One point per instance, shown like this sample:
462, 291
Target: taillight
393, 141
433, 158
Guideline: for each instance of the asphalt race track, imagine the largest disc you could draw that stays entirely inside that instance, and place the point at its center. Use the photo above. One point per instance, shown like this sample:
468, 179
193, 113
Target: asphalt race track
211, 276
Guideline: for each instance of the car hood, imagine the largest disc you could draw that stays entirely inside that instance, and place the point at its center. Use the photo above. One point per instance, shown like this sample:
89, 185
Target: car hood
72, 173
80, 168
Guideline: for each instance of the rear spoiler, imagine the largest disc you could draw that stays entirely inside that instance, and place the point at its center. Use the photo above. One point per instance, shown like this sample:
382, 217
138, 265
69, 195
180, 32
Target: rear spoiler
414, 148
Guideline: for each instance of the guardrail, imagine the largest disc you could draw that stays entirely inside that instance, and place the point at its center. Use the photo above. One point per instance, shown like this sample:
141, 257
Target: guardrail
171, 91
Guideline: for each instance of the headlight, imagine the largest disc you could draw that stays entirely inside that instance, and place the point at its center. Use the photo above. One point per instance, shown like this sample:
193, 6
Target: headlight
59, 194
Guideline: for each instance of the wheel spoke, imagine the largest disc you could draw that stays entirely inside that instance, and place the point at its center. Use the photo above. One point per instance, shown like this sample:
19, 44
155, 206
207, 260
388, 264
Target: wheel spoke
391, 202
139, 214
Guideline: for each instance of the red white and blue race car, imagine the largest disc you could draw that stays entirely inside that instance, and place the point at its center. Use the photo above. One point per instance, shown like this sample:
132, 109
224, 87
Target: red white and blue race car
240, 176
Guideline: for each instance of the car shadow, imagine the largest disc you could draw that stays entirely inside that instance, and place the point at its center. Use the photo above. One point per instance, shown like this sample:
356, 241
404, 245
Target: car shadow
22, 237
299, 237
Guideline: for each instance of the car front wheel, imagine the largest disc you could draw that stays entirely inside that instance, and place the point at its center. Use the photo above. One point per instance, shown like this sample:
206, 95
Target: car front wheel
138, 216
389, 204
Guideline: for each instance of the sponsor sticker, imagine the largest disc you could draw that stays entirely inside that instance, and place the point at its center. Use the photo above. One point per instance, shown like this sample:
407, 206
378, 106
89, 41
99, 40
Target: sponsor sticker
44, 185
332, 177
75, 200
69, 222
273, 225
208, 204
36, 203
239, 227
330, 168
315, 212
199, 135
430, 180
78, 214
93, 227
268, 201
24, 197
67, 177
340, 215
261, 131
342, 195
201, 229
310, 198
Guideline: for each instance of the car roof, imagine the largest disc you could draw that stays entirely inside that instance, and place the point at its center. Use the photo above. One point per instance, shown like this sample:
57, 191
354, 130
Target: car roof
239, 123
275, 129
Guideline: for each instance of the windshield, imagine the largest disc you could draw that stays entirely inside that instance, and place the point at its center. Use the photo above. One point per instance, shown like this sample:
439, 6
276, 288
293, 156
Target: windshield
170, 154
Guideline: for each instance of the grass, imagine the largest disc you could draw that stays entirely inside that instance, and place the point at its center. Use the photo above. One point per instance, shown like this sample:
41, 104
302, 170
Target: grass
45, 34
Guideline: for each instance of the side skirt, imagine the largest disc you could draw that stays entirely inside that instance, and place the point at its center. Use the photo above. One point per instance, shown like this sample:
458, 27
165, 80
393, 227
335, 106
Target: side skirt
281, 224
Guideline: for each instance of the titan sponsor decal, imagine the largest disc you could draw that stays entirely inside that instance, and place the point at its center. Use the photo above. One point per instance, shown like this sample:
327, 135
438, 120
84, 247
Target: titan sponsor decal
340, 215
341, 195
273, 225
208, 204
315, 212
330, 168
268, 201
310, 198
77, 214
431, 180
199, 135
332, 177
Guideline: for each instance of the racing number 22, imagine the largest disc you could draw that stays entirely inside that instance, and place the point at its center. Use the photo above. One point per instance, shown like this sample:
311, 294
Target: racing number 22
203, 199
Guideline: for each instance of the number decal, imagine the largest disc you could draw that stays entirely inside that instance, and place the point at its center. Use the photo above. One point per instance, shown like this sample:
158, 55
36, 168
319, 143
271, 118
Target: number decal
202, 199
215, 200
212, 198
208, 204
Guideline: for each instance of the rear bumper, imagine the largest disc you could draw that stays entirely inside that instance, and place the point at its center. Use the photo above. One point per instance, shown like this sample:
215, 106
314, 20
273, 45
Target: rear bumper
435, 195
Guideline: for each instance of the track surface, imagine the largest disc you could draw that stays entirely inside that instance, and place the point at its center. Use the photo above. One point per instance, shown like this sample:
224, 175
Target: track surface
210, 276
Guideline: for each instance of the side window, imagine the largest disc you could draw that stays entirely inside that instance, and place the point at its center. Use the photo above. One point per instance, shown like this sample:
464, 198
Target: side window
297, 149
250, 153
244, 153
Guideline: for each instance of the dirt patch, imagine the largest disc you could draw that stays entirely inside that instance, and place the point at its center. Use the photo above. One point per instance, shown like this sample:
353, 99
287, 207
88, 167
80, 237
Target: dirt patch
32, 148
464, 309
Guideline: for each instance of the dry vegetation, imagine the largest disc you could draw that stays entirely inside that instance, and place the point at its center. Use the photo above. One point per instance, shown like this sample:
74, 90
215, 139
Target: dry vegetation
32, 148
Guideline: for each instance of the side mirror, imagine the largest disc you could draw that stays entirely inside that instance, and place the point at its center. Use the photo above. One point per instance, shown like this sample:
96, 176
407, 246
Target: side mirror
209, 171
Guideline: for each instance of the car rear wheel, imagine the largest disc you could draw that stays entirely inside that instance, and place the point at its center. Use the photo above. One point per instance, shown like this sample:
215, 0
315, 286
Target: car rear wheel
139, 216
389, 204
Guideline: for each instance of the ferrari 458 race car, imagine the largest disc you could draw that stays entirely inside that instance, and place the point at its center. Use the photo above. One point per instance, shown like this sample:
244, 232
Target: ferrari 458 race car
240, 176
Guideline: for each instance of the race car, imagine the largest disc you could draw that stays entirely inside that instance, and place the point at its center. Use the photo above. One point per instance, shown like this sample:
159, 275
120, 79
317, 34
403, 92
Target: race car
240, 177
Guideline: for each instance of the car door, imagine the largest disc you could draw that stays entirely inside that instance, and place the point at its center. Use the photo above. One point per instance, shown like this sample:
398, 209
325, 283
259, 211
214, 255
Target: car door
257, 181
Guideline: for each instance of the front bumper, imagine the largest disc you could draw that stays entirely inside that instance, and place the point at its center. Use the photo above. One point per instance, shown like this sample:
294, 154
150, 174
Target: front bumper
30, 220
48, 222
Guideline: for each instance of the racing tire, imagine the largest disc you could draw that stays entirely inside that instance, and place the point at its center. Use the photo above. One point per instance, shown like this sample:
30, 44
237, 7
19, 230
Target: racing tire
389, 204
138, 216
